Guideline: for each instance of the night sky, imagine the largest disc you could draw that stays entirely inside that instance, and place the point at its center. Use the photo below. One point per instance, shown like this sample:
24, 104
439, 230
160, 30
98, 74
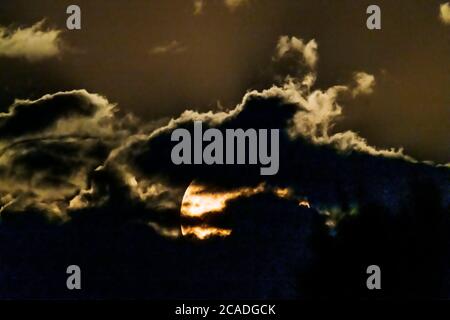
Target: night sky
86, 177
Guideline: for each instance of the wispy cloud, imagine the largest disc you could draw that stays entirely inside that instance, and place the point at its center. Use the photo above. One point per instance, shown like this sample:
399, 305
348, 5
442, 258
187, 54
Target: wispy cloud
33, 43
67, 151
170, 47
234, 4
307, 51
199, 5
444, 13
364, 83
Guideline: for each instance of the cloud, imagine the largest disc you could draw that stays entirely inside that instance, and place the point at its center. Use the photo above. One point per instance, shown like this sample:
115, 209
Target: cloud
69, 151
444, 12
65, 113
319, 110
291, 45
170, 47
71, 156
234, 4
365, 83
231, 5
81, 182
199, 5
50, 146
306, 117
33, 43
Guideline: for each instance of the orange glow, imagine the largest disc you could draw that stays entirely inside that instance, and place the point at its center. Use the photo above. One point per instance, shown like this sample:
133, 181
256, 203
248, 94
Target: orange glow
204, 232
198, 202
283, 192
330, 223
304, 203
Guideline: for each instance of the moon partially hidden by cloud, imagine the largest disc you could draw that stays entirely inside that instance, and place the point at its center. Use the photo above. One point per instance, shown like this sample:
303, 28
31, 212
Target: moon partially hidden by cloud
199, 202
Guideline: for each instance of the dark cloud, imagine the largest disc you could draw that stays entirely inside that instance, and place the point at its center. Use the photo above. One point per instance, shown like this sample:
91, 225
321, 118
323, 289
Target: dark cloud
50, 146
318, 162
53, 145
74, 112
109, 179
219, 65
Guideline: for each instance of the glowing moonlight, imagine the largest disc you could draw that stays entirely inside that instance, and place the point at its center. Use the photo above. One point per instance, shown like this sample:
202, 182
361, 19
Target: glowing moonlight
197, 202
